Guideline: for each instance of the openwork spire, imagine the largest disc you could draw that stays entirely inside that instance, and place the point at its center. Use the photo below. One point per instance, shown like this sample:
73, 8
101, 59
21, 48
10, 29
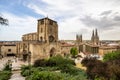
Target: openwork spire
96, 33
93, 34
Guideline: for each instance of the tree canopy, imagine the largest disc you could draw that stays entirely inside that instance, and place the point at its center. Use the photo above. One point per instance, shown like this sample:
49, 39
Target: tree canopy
112, 56
74, 51
108, 69
3, 21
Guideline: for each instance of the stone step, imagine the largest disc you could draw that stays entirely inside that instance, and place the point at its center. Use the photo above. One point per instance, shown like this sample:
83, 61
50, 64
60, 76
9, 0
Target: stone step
16, 76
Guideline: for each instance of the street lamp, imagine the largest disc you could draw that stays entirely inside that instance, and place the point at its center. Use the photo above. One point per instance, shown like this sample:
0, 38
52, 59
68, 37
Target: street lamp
29, 61
29, 58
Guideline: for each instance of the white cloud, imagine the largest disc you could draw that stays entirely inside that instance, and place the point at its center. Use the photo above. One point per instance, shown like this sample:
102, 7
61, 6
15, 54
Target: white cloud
17, 27
68, 13
37, 9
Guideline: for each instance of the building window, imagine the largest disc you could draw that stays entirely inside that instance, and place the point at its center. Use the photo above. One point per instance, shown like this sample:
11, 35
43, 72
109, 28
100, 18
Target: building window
51, 22
42, 21
41, 39
9, 50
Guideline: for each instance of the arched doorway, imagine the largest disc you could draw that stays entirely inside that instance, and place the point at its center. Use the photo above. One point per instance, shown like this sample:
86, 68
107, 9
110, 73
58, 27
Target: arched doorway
25, 55
41, 38
64, 53
52, 52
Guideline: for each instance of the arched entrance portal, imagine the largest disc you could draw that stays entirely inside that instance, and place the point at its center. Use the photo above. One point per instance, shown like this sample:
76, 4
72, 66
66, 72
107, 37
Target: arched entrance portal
25, 54
52, 52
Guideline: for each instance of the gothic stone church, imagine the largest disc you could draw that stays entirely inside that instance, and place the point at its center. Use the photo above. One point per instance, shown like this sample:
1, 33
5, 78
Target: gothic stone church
41, 44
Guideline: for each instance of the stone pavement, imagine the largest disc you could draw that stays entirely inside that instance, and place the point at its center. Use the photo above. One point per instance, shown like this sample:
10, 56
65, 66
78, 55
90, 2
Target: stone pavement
16, 66
16, 76
3, 61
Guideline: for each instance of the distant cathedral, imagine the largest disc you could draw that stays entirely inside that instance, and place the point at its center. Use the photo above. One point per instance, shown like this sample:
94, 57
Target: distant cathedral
91, 47
95, 37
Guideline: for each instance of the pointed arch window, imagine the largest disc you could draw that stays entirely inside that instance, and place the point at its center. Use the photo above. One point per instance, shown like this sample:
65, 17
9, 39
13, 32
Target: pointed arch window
41, 38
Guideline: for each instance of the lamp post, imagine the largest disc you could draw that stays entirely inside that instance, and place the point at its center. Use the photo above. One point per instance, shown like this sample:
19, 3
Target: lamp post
29, 61
29, 58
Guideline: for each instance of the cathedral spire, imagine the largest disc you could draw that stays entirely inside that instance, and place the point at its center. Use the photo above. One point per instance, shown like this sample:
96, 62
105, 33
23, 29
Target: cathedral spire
76, 36
93, 34
92, 38
96, 33
95, 37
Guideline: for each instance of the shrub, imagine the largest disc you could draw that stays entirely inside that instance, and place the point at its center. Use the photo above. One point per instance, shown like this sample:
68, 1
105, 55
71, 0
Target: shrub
48, 68
113, 61
70, 69
7, 67
114, 67
5, 75
40, 62
26, 70
25, 73
58, 60
111, 56
55, 68
96, 68
47, 75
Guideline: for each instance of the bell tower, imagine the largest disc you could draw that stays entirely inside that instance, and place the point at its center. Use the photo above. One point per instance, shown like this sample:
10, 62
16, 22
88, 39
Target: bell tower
47, 30
78, 39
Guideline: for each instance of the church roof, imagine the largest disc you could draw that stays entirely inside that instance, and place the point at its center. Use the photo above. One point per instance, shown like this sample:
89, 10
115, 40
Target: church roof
47, 18
67, 45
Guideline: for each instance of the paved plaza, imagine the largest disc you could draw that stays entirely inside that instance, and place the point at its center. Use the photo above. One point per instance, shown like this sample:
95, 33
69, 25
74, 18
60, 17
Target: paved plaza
16, 65
3, 61
16, 76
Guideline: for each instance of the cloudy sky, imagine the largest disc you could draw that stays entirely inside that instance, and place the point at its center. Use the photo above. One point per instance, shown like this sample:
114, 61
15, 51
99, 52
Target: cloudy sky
73, 17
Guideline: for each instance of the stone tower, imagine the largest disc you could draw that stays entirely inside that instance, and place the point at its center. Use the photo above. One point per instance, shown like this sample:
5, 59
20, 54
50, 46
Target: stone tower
47, 30
95, 37
79, 43
79, 39
92, 38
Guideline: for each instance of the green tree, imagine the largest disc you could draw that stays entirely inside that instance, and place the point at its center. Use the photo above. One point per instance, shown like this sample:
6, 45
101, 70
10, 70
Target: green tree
73, 52
96, 69
111, 56
113, 61
3, 21
108, 69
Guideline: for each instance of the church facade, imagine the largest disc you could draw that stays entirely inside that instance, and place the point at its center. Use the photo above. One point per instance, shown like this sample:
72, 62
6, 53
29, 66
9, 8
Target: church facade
41, 44
89, 47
